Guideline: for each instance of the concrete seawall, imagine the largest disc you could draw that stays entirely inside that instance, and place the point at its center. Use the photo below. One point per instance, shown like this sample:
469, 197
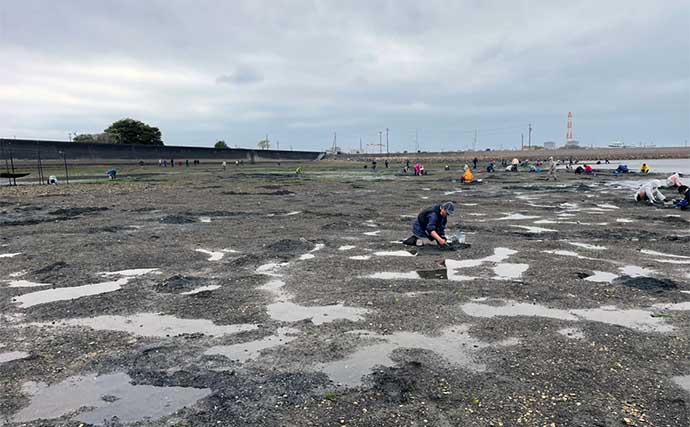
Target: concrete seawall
23, 149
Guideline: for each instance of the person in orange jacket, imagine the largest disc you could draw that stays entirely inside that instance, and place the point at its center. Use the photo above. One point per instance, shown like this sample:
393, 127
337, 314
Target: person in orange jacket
467, 176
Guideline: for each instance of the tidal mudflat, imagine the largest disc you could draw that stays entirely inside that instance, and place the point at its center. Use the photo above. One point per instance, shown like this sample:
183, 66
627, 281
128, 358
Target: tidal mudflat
255, 297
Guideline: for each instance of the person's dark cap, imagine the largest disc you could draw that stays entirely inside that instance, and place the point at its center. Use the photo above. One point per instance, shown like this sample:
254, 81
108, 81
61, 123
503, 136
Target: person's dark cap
449, 206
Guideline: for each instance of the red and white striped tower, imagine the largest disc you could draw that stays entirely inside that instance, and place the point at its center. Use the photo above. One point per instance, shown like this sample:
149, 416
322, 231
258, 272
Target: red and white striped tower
569, 132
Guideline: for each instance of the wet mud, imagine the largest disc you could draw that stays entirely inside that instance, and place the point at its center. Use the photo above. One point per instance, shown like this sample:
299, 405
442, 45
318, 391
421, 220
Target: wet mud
258, 298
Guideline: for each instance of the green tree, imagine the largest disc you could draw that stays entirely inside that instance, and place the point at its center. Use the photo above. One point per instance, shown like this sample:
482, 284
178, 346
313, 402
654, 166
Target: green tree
130, 131
84, 138
220, 144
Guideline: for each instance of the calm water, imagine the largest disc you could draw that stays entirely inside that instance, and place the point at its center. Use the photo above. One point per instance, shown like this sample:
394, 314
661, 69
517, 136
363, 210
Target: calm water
657, 165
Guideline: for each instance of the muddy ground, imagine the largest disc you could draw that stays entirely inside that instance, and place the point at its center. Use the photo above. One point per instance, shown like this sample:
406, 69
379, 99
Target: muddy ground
254, 297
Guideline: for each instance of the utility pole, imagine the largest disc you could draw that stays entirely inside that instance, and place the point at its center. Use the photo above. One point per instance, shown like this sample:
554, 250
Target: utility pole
360, 145
416, 141
380, 142
529, 138
278, 144
387, 150
522, 141
474, 141
335, 138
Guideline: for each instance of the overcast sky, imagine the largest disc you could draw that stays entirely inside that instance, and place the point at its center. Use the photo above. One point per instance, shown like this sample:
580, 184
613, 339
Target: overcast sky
301, 70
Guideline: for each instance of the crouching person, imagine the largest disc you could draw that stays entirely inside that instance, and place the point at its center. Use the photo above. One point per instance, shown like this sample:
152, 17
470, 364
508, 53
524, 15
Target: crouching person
649, 192
684, 202
431, 224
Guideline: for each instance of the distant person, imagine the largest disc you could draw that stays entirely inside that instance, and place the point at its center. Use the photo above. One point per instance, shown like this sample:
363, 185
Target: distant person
644, 168
446, 167
552, 169
684, 202
588, 169
225, 165
52, 180
172, 163
674, 180
386, 163
649, 192
112, 173
299, 170
606, 161
431, 224
417, 168
186, 163
490, 167
373, 165
421, 169
467, 176
579, 170
407, 164
514, 165
474, 163
622, 168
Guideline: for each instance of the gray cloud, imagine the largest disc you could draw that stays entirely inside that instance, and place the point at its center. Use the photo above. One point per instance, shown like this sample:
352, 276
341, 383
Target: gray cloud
313, 68
243, 74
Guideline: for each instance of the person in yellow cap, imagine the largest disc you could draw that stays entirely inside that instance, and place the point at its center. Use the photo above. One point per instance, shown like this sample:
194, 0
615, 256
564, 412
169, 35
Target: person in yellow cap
644, 168
467, 176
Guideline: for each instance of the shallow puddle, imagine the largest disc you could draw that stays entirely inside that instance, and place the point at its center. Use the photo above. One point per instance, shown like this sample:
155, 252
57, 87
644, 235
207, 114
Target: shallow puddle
292, 213
252, 350
102, 397
287, 311
25, 284
215, 255
673, 261
205, 219
304, 257
641, 320
372, 233
270, 269
635, 271
601, 277
361, 257
608, 206
570, 253
394, 253
69, 293
679, 306
587, 246
453, 344
153, 325
500, 255
13, 355
508, 271
346, 247
74, 292
624, 220
536, 230
516, 216
201, 289
10, 255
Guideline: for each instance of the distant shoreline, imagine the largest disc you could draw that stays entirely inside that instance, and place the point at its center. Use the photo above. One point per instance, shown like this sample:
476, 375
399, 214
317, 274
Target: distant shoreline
560, 154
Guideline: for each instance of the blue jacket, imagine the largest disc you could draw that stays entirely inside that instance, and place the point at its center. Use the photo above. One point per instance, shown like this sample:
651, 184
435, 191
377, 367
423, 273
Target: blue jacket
430, 220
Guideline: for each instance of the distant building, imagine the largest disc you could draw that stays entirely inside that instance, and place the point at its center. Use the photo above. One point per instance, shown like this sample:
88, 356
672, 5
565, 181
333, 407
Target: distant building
573, 143
549, 145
